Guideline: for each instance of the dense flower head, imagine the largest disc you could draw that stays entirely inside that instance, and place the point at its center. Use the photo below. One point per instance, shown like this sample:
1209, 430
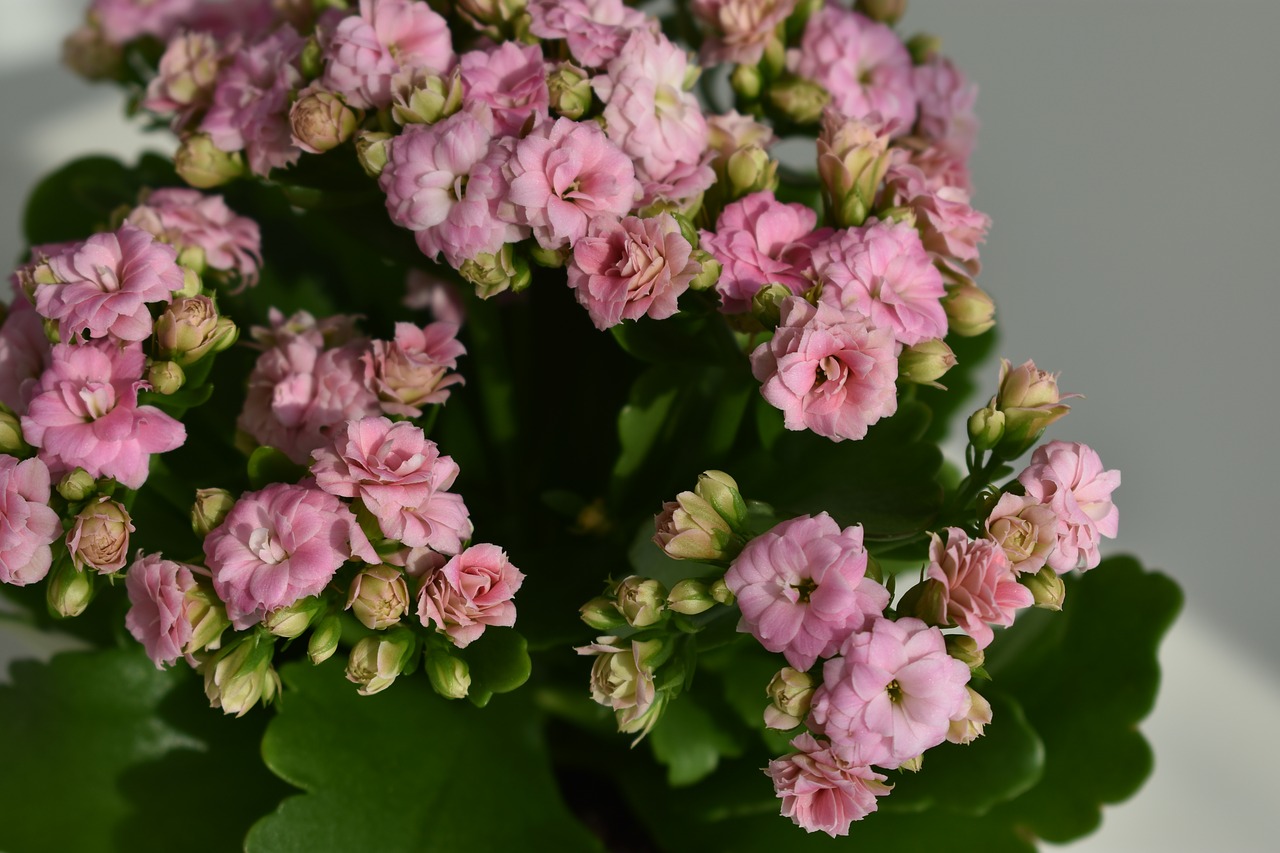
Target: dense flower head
802, 588
84, 413
626, 269
469, 593
622, 678
511, 80
27, 525
185, 79
1068, 477
882, 272
595, 30
821, 789
415, 369
976, 586
250, 110
24, 353
278, 545
400, 477
827, 371
564, 173
387, 36
861, 63
759, 240
103, 285
157, 596
739, 29
946, 106
892, 694
190, 219
949, 227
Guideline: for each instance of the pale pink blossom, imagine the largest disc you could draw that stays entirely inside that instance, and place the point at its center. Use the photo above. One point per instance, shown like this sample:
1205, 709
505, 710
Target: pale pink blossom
802, 588
679, 188
125, 20
185, 79
595, 30
298, 392
624, 270
1026, 529
471, 592
250, 110
727, 132
759, 240
966, 727
648, 113
103, 285
332, 331
946, 106
27, 525
278, 545
892, 694
157, 614
882, 272
828, 372
85, 413
739, 29
400, 476
190, 219
416, 369
821, 789
862, 63
974, 585
24, 354
511, 80
949, 227
99, 536
387, 36
1068, 477
941, 168
564, 173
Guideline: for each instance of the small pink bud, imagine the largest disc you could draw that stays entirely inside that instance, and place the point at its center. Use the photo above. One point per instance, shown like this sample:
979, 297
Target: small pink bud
99, 537
378, 597
321, 122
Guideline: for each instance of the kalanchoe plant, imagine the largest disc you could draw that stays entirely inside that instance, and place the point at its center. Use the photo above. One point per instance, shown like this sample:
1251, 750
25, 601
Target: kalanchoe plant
513, 269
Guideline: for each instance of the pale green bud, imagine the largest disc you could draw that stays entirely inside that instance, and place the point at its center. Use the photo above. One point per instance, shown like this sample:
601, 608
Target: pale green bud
77, 485
68, 590
766, 304
203, 165
166, 377
641, 601
240, 676
449, 674
208, 618
970, 311
1046, 588
494, 273
799, 99
550, 258
321, 122
378, 597
926, 362
375, 662
790, 695
428, 99
210, 508
324, 639
11, 441
602, 614
710, 273
747, 82
570, 88
371, 151
721, 491
923, 47
966, 650
986, 427
750, 170
690, 597
969, 728
721, 593
293, 621
1030, 401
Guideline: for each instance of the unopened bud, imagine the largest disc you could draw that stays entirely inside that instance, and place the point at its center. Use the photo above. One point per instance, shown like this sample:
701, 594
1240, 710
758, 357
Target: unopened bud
570, 88
912, 765
721, 491
721, 593
11, 441
766, 304
378, 597
375, 662
747, 82
99, 536
241, 675
790, 694
966, 650
923, 47
494, 18
641, 601
189, 328
493, 273
204, 165
449, 674
210, 508
321, 122
371, 151
602, 614
88, 53
427, 99
798, 98
208, 619
1030, 401
68, 590
885, 11
926, 362
324, 639
77, 485
970, 311
192, 258
969, 726
1046, 588
166, 377
986, 427
690, 597
191, 283
293, 621
853, 156
710, 272
552, 259
750, 170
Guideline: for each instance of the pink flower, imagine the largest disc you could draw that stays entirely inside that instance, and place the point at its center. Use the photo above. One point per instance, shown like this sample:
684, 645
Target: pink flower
946, 106
949, 228
85, 413
125, 20
414, 370
759, 240
821, 789
472, 591
511, 80
648, 113
332, 331
739, 29
400, 476
974, 585
190, 219
564, 173
387, 36
1025, 529
185, 79
278, 545
625, 270
24, 354
802, 588
27, 525
99, 536
826, 371
250, 109
595, 30
892, 695
883, 273
1068, 477
157, 614
104, 285
862, 64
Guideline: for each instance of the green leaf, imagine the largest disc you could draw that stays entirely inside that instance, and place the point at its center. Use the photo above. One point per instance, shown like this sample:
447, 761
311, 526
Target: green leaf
690, 741
103, 752
268, 465
499, 663
405, 771
177, 403
78, 199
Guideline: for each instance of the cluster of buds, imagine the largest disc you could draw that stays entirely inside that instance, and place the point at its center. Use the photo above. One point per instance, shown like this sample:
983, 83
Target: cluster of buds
625, 677
707, 524
1027, 402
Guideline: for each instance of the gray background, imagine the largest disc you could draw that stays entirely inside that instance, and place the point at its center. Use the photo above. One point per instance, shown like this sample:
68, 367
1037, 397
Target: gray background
1127, 158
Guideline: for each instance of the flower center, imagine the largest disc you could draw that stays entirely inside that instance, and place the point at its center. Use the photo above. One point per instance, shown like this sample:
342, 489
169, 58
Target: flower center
895, 691
804, 588
98, 398
829, 368
265, 547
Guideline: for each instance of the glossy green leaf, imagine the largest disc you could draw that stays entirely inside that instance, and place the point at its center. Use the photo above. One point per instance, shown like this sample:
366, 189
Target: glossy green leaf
405, 771
268, 465
498, 661
690, 741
